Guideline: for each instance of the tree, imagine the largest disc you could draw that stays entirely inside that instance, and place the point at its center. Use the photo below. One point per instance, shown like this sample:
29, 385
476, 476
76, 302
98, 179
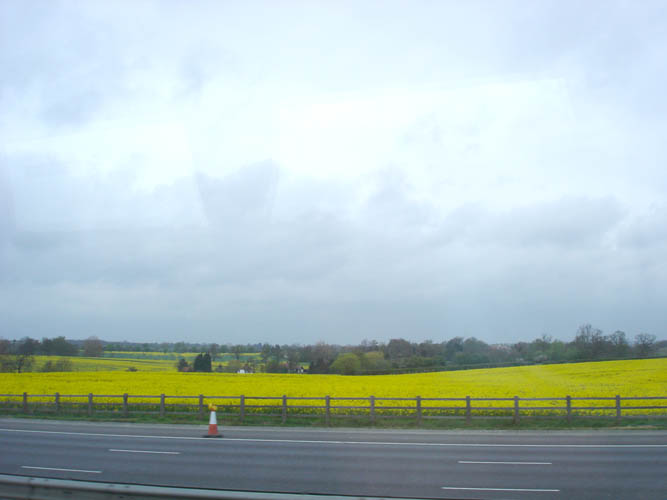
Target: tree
58, 347
28, 346
206, 362
197, 365
233, 366
265, 353
214, 350
237, 350
275, 366
183, 365
277, 353
321, 357
60, 365
398, 348
7, 363
292, 359
202, 363
373, 362
644, 344
347, 364
452, 347
557, 351
92, 347
17, 356
619, 344
588, 342
428, 349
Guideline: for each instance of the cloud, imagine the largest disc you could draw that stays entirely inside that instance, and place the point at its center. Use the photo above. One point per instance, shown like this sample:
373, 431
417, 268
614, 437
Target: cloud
568, 223
170, 169
242, 198
647, 230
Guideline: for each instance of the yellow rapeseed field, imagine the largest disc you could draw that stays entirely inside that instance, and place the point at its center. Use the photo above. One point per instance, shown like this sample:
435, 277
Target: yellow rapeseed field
607, 379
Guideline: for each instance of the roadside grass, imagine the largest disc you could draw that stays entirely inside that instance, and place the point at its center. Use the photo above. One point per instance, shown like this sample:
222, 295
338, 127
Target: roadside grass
354, 422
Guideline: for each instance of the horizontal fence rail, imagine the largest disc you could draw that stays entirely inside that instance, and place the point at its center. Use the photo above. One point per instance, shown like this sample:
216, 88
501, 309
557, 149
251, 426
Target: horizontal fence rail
372, 408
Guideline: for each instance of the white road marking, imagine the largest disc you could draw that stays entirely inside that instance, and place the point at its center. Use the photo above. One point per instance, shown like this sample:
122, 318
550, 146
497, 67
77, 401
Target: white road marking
64, 470
312, 441
502, 489
146, 451
505, 463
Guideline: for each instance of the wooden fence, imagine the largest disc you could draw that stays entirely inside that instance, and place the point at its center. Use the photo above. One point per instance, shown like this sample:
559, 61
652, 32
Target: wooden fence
371, 408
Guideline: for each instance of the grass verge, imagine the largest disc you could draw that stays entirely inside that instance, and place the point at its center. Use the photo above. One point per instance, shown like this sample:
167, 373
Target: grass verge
450, 423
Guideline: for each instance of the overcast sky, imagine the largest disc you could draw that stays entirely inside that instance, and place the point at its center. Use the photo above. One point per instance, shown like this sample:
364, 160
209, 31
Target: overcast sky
300, 171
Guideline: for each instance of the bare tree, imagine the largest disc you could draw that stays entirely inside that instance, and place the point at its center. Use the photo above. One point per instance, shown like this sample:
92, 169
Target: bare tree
644, 344
17, 356
92, 347
214, 350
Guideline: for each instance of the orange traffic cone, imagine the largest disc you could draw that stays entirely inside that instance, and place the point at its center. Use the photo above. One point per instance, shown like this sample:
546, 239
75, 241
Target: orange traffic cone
212, 425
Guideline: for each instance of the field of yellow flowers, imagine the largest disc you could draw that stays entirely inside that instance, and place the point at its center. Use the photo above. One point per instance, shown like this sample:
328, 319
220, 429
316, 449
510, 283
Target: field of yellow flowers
605, 379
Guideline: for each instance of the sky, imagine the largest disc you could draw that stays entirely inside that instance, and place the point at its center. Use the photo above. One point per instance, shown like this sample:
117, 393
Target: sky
294, 172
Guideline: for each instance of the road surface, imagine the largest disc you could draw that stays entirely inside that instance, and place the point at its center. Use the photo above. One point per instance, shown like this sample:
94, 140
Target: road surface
414, 464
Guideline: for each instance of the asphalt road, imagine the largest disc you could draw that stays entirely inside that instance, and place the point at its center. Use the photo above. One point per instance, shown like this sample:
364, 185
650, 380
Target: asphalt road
416, 464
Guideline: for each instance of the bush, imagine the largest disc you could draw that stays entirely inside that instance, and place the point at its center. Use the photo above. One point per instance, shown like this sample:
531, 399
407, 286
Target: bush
347, 364
60, 365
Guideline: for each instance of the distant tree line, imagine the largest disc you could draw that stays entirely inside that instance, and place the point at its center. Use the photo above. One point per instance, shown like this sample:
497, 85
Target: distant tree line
368, 357
18, 355
401, 356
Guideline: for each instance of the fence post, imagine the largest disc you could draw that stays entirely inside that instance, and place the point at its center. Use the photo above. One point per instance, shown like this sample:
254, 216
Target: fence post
57, 401
618, 408
162, 405
90, 404
516, 409
201, 405
418, 404
327, 417
372, 409
242, 408
468, 410
284, 419
125, 404
568, 401
25, 402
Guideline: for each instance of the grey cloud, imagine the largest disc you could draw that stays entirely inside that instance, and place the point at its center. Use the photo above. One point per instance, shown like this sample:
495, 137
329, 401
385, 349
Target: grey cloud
646, 231
241, 198
267, 254
72, 70
7, 223
392, 206
205, 61
142, 243
568, 223
47, 197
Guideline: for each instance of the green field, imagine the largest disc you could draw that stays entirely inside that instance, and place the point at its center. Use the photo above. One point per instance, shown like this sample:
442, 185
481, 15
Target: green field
143, 362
